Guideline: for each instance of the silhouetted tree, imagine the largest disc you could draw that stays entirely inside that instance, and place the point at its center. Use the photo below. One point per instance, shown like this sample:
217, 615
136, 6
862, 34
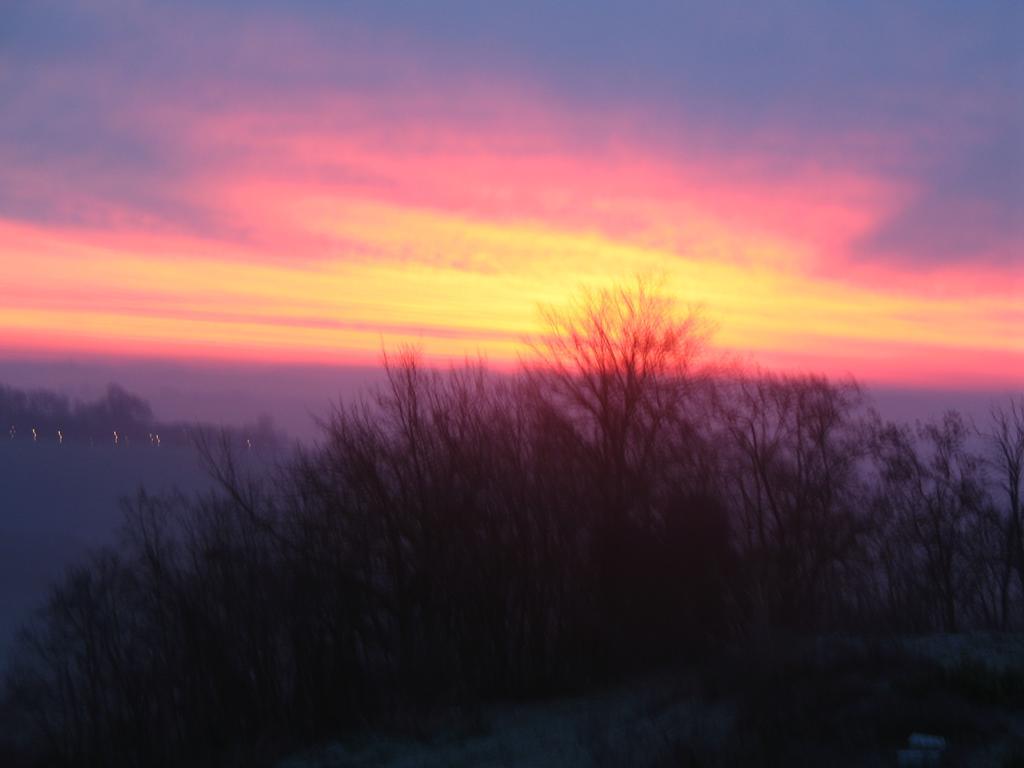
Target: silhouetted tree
614, 373
932, 502
1006, 447
791, 470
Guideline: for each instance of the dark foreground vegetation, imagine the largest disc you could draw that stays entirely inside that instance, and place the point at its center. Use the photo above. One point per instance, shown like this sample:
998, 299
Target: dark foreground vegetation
462, 537
825, 701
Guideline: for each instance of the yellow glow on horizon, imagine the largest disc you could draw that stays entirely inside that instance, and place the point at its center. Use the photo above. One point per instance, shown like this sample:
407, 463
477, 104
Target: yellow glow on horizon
455, 286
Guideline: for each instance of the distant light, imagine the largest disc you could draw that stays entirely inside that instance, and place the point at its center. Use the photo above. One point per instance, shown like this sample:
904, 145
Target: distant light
116, 438
158, 441
60, 437
13, 431
35, 435
248, 443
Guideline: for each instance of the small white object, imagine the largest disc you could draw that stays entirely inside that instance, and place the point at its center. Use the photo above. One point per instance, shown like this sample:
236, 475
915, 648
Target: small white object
923, 750
926, 741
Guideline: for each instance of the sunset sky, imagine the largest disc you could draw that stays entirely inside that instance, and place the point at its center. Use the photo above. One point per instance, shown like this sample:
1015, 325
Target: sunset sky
840, 186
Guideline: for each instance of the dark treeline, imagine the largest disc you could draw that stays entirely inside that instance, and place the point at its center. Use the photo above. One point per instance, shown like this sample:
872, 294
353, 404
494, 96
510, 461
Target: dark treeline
116, 418
463, 536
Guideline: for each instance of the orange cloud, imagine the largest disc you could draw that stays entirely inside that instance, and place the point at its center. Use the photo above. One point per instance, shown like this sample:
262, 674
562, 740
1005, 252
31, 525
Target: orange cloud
327, 235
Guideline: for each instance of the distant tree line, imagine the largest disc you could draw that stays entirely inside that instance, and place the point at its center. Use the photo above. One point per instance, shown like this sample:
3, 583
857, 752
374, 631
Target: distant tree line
115, 418
463, 535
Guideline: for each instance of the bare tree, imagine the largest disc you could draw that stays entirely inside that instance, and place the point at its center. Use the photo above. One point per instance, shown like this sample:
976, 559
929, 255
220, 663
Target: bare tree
615, 366
792, 447
932, 499
1006, 449
613, 372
